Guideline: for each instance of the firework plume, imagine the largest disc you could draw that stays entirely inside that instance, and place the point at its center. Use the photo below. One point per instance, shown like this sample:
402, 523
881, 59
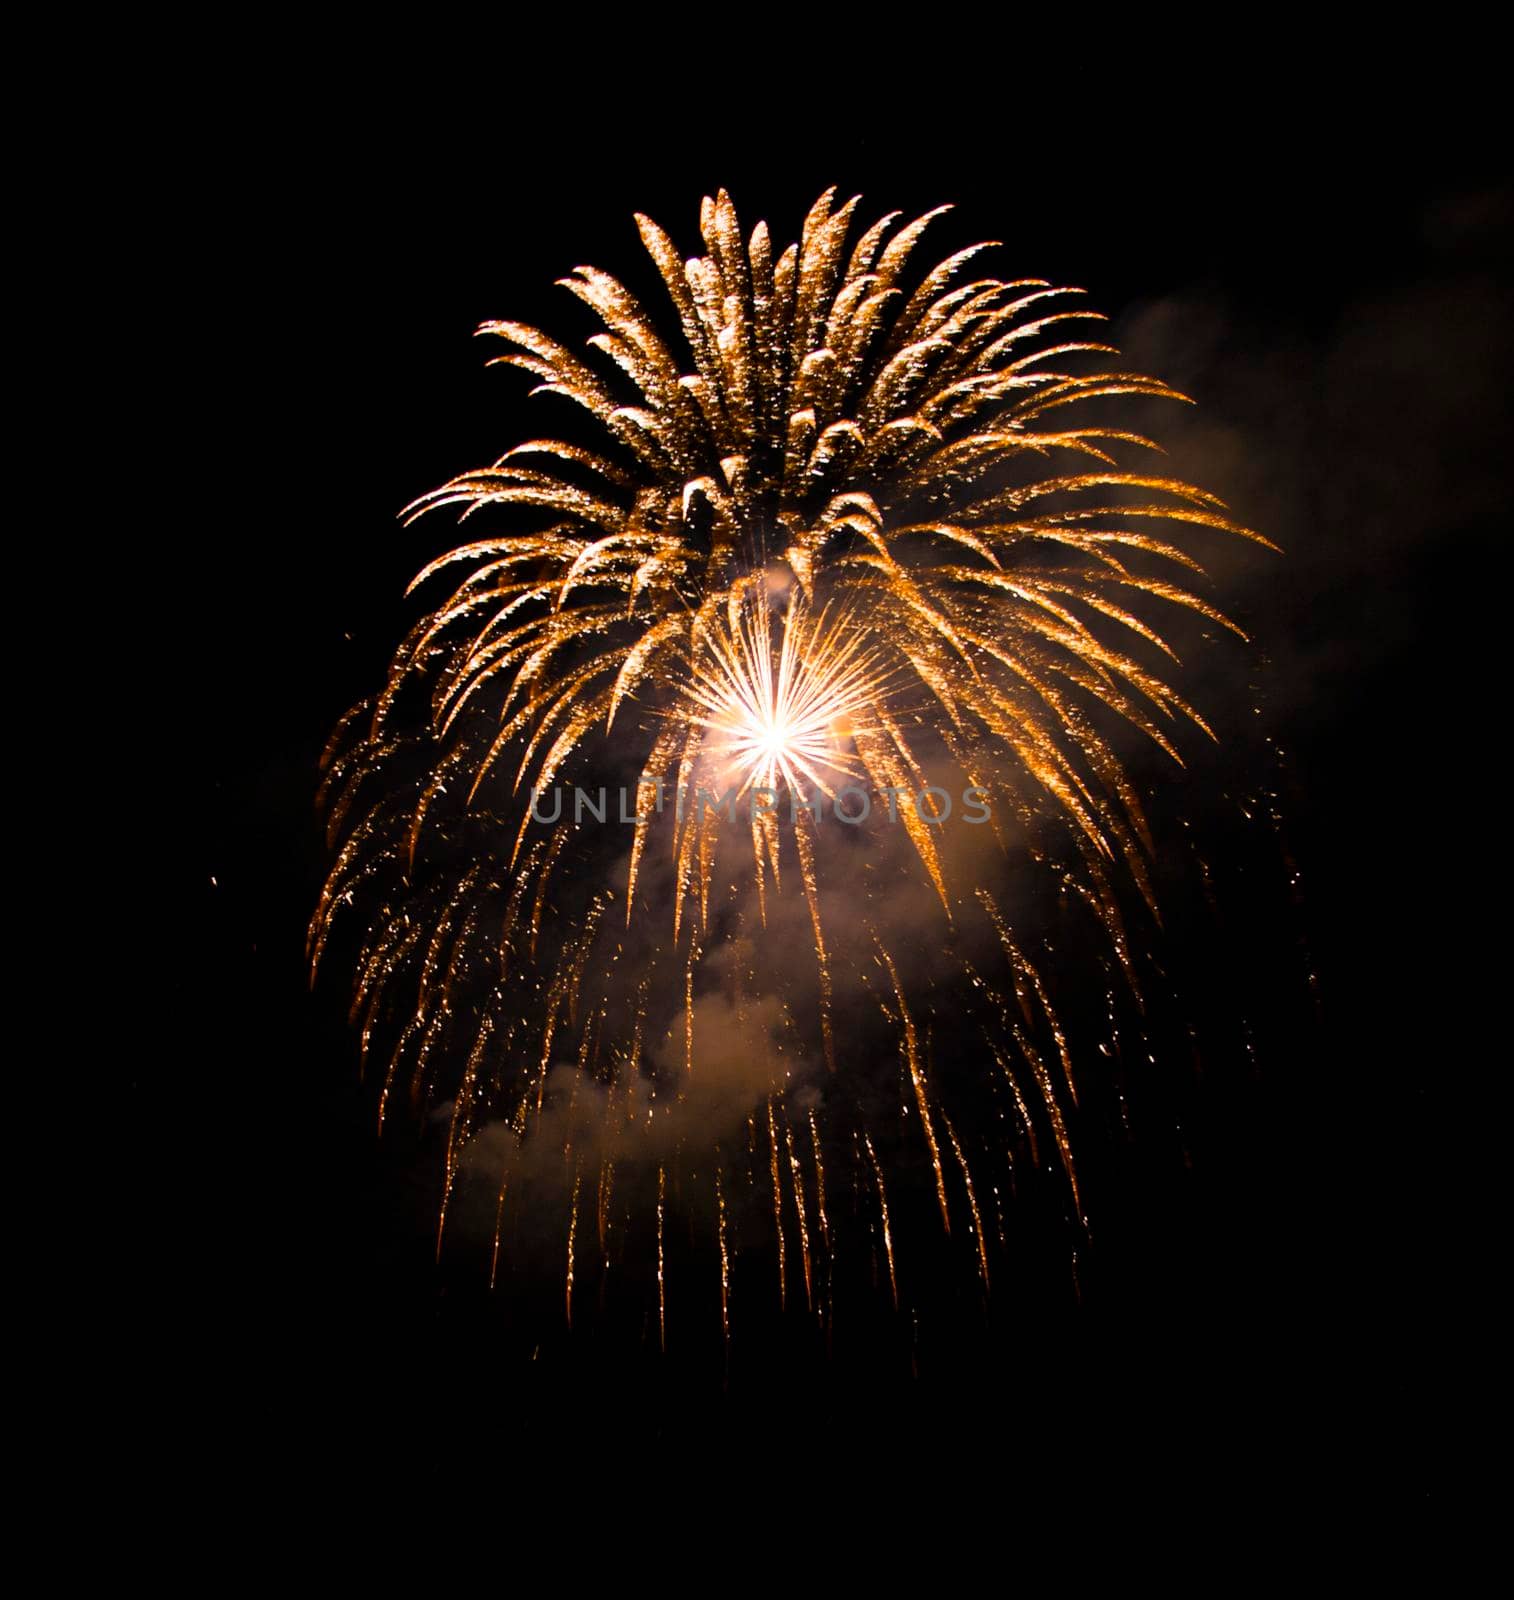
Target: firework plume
644, 856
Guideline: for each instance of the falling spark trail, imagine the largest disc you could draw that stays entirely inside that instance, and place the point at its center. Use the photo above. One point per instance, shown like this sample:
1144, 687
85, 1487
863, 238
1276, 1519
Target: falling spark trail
825, 1227
572, 1236
972, 1199
804, 1231
662, 1281
725, 1263
777, 1208
917, 1078
602, 1208
499, 1214
888, 1237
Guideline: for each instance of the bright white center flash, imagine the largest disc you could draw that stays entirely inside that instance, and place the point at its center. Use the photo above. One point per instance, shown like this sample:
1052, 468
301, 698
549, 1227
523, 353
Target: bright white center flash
779, 708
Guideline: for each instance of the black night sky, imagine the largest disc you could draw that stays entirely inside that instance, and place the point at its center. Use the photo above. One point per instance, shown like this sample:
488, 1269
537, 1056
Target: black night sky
1328, 282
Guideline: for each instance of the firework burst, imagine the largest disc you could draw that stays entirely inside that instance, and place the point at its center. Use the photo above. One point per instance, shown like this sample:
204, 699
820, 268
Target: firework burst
779, 710
852, 533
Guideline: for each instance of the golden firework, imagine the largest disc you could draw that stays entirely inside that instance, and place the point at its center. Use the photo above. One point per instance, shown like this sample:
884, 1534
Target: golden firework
850, 528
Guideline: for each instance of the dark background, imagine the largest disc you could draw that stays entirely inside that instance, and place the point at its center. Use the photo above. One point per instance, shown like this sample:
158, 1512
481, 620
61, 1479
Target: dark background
1325, 272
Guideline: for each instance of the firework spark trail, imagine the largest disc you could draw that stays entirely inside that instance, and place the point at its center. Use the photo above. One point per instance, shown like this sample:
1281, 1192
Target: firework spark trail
602, 1208
572, 1237
662, 1280
806, 847
725, 1262
804, 1229
499, 1215
825, 1227
1024, 973
917, 1079
888, 1237
842, 524
777, 1207
972, 1198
